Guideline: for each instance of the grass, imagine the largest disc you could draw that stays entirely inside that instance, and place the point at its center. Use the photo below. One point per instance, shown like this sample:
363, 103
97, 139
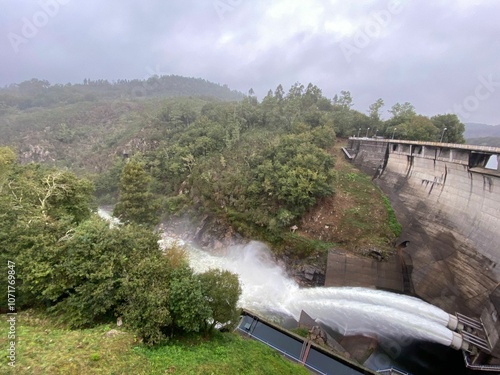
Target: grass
370, 219
46, 347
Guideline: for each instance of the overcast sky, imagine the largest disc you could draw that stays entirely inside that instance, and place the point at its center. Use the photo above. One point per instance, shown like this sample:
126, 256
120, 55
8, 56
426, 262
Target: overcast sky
441, 55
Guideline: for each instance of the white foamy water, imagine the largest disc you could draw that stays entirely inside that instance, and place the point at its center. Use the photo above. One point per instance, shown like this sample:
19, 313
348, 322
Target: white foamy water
265, 286
401, 302
106, 215
266, 289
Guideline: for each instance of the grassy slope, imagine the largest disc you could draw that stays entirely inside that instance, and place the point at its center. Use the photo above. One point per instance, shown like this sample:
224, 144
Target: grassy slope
45, 347
357, 217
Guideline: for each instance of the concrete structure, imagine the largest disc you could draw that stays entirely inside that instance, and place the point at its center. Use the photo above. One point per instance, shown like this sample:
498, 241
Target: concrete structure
346, 269
490, 320
317, 359
447, 197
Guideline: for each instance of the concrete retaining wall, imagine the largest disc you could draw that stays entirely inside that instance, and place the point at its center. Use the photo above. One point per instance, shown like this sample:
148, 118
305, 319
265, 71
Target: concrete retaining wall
450, 211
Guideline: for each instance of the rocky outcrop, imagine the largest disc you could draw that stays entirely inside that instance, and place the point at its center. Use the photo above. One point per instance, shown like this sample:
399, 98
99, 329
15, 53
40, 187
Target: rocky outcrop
206, 232
215, 235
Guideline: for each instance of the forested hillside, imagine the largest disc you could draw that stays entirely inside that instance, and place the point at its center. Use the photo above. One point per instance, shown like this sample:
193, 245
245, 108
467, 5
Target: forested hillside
269, 170
258, 166
482, 135
40, 93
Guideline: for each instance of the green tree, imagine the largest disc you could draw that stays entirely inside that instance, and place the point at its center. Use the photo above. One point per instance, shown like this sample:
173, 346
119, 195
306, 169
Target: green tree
420, 128
221, 290
145, 296
136, 203
375, 110
455, 129
343, 115
294, 174
402, 112
187, 305
81, 272
38, 208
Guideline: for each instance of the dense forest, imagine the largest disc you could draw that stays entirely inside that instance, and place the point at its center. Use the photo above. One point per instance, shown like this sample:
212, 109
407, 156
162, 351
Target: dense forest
40, 93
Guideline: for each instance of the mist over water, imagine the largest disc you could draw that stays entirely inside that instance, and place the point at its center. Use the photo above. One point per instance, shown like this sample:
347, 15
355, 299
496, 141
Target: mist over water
266, 289
265, 285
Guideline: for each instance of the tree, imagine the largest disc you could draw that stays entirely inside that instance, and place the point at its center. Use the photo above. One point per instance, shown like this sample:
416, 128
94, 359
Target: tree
187, 304
402, 112
420, 128
375, 110
7, 159
343, 116
279, 93
295, 173
81, 272
38, 208
344, 100
145, 293
454, 132
221, 290
136, 203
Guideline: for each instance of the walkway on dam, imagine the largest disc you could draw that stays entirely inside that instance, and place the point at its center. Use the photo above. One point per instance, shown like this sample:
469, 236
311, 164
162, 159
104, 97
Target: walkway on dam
344, 269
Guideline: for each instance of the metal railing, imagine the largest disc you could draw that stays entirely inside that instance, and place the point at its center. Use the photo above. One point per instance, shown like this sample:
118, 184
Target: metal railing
293, 358
392, 371
489, 368
495, 150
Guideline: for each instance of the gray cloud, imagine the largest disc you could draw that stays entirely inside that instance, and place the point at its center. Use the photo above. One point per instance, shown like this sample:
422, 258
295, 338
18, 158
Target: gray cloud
432, 54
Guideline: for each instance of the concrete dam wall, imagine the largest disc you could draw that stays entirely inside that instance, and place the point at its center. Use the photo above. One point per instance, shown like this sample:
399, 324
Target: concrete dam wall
447, 197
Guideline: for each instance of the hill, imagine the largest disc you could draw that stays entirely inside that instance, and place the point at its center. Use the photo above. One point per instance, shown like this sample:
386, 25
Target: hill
482, 134
81, 126
40, 93
476, 130
257, 167
88, 135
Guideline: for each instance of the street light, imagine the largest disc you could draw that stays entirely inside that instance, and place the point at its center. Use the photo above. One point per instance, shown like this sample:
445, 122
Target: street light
367, 130
442, 135
394, 131
359, 131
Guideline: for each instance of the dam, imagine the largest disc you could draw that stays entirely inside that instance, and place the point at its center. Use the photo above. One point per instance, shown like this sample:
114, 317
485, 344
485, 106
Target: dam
270, 298
447, 198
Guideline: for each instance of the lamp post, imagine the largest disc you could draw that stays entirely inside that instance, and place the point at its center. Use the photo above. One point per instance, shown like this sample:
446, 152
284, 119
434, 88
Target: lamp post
367, 130
394, 131
442, 135
359, 131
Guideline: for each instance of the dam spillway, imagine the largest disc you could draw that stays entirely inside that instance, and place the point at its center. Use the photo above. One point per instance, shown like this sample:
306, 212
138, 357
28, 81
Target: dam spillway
447, 198
267, 290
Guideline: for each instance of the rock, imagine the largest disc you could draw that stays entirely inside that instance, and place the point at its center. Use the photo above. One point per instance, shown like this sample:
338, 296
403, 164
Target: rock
317, 335
309, 272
